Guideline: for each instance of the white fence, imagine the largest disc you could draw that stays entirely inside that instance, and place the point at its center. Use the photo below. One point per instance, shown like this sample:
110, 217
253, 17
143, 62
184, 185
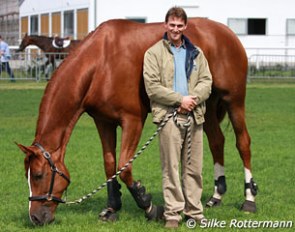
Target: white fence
33, 64
271, 66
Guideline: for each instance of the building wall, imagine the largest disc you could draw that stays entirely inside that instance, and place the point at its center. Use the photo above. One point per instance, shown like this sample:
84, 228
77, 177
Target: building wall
152, 11
9, 25
274, 15
52, 17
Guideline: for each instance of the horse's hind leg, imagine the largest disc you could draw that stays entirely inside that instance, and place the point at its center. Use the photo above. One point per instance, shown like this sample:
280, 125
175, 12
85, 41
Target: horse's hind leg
215, 113
131, 132
108, 135
236, 111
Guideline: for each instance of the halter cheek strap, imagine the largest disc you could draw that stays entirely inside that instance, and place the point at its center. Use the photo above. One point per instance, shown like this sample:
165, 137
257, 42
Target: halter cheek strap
54, 169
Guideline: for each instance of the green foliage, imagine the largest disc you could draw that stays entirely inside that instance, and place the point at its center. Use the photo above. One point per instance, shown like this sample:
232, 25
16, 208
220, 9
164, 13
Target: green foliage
271, 124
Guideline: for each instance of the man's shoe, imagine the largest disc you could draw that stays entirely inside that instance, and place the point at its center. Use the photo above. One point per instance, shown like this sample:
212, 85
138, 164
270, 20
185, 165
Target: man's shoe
171, 224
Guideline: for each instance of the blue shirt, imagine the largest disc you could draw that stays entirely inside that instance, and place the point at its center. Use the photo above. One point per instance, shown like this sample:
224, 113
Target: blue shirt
180, 81
5, 50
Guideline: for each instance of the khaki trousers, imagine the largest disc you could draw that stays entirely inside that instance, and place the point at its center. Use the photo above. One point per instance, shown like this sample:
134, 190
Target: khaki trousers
182, 185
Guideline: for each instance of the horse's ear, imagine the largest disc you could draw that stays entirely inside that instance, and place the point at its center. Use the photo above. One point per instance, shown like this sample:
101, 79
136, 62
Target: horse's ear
27, 150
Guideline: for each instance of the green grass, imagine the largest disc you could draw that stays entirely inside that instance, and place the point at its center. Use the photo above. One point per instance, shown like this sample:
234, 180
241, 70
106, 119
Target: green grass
271, 124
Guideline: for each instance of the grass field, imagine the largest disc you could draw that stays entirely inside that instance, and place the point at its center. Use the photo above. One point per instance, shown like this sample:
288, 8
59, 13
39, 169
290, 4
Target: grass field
271, 123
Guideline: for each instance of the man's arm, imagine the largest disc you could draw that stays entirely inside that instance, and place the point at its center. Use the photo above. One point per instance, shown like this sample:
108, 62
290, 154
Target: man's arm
154, 88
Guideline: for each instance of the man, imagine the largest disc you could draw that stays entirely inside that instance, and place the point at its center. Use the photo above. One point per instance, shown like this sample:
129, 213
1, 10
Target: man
5, 57
177, 76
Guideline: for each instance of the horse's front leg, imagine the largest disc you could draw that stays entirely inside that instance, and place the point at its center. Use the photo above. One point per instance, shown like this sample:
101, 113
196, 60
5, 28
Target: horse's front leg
131, 132
107, 132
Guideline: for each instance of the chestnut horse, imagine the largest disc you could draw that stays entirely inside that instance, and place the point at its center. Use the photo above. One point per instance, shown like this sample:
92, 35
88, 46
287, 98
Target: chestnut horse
54, 47
106, 82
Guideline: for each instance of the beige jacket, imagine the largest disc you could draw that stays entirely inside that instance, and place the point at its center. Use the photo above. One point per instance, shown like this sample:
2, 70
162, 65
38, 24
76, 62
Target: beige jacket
158, 75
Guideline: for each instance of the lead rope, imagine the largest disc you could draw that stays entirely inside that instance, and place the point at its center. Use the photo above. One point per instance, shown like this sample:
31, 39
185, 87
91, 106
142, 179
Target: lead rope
187, 125
160, 127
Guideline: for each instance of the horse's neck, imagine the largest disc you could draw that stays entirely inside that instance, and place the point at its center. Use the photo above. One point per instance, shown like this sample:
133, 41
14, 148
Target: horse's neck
57, 116
41, 43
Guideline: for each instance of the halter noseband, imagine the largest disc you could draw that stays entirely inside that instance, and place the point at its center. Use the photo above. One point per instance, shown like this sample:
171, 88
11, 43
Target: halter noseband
54, 169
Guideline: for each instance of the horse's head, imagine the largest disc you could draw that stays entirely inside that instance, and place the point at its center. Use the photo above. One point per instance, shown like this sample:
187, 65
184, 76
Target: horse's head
48, 178
25, 42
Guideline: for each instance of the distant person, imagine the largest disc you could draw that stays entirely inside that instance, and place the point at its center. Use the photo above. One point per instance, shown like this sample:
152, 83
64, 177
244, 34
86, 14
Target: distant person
5, 57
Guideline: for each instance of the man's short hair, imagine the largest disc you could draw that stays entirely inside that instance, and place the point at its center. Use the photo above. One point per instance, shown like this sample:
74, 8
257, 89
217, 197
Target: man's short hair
177, 12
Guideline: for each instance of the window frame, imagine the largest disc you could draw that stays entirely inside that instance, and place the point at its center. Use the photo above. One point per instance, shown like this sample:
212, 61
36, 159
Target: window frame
288, 33
137, 19
69, 23
245, 29
34, 24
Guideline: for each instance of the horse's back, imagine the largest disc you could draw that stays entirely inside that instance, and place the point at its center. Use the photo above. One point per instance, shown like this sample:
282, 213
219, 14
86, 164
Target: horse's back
225, 54
113, 57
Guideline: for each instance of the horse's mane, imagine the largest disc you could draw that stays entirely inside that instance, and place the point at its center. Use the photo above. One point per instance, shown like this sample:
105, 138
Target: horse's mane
41, 36
98, 32
90, 34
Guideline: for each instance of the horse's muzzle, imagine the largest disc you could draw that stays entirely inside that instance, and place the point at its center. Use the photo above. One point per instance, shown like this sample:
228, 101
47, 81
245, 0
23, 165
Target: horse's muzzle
42, 216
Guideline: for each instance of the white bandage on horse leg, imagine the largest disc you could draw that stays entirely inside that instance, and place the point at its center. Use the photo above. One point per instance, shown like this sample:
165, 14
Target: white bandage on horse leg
218, 171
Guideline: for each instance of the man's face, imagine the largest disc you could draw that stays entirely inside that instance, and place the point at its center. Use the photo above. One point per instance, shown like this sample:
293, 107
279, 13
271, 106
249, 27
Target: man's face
175, 28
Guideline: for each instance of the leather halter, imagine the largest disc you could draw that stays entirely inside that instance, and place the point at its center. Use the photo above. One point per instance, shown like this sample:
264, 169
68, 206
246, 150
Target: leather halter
54, 169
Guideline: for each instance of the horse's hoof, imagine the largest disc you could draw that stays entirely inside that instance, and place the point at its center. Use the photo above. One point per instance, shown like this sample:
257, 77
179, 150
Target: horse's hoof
108, 215
155, 214
213, 202
249, 206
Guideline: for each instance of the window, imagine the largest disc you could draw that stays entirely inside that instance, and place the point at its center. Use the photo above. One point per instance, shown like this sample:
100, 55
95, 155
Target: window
34, 24
256, 26
139, 20
69, 23
248, 26
239, 26
290, 26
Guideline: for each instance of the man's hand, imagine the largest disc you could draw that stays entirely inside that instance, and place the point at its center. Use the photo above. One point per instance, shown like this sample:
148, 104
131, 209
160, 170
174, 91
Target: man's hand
188, 104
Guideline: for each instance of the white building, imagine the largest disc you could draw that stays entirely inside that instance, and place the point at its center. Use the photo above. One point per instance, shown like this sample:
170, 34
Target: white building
263, 26
9, 15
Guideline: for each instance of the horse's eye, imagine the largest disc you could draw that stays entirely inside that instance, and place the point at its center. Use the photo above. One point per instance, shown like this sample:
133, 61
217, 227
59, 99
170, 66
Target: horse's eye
37, 176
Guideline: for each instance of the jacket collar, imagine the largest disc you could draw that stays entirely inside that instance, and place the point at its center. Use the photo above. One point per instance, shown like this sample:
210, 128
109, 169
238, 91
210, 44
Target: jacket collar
191, 54
187, 44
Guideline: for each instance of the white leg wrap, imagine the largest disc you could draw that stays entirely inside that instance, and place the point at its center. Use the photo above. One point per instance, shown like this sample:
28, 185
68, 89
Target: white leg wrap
216, 194
248, 177
218, 171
